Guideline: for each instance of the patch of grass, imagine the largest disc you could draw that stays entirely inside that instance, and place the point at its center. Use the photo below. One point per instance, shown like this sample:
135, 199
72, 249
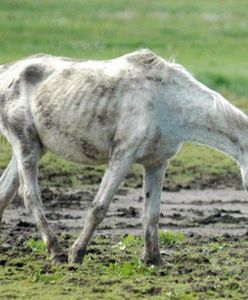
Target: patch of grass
171, 237
37, 246
42, 276
129, 269
215, 246
132, 240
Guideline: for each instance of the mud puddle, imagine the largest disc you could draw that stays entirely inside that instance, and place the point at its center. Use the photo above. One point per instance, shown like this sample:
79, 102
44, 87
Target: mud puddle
207, 212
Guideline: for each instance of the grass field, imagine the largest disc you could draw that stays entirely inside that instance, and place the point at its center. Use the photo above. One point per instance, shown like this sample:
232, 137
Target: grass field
210, 38
206, 268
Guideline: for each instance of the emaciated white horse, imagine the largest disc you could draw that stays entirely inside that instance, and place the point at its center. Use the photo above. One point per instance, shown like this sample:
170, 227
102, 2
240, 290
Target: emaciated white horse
135, 108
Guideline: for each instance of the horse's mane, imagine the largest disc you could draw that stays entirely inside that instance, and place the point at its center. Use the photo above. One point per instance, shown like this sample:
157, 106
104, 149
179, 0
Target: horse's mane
234, 116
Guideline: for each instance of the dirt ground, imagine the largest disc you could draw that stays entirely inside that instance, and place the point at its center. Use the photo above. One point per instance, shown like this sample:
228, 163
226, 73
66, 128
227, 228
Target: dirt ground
204, 212
209, 261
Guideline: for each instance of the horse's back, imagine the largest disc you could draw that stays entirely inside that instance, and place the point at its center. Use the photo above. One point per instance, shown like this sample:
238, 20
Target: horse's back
77, 107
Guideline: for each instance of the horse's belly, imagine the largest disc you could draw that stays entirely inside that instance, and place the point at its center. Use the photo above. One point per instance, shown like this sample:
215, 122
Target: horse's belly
74, 140
78, 147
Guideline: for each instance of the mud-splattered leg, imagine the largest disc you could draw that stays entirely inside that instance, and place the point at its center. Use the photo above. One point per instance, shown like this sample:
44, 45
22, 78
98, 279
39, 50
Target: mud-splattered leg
9, 183
112, 178
153, 181
28, 152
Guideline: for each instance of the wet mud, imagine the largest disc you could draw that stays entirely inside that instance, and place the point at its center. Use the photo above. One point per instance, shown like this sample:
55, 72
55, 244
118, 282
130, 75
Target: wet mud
203, 212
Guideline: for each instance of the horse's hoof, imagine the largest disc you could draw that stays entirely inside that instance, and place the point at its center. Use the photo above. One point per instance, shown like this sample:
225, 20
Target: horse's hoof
155, 261
59, 258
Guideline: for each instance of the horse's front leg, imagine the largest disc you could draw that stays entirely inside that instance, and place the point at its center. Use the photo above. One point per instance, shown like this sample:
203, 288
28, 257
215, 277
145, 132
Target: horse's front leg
114, 175
153, 181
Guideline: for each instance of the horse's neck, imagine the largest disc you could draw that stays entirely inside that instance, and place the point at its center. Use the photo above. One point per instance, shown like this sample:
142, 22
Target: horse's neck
212, 127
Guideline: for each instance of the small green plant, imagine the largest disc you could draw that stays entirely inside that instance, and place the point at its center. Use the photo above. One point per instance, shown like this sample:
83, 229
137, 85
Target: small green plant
171, 237
36, 245
132, 240
129, 241
40, 276
128, 269
214, 247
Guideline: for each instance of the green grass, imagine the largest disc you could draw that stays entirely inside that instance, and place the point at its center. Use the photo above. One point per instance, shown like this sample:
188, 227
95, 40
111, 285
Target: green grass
194, 268
36, 245
208, 37
170, 237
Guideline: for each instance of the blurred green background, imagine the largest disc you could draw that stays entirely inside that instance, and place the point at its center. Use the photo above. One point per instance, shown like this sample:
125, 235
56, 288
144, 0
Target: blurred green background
210, 38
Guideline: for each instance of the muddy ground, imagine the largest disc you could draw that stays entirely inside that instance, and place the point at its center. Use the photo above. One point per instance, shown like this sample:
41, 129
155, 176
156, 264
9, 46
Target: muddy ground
209, 262
204, 212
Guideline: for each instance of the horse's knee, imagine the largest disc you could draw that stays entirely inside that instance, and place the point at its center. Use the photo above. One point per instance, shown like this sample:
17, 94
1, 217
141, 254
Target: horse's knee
30, 198
151, 218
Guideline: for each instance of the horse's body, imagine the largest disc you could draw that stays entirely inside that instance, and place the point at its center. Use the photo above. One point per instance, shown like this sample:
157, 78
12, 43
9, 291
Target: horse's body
136, 108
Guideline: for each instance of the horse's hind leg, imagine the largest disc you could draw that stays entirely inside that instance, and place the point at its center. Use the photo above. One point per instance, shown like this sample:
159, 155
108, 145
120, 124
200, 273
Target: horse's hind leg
28, 151
9, 183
